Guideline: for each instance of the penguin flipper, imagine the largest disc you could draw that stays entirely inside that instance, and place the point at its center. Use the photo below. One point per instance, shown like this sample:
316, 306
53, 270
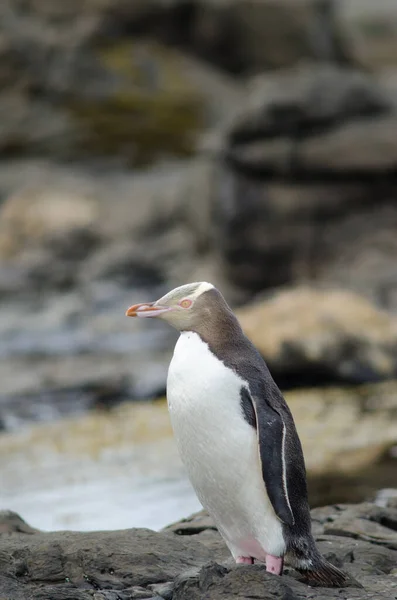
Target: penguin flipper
271, 433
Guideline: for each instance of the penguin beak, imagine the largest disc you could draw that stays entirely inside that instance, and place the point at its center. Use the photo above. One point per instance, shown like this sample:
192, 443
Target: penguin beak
148, 309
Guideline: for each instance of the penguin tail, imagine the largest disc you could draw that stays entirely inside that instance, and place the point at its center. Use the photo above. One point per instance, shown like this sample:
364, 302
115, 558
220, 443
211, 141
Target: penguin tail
322, 573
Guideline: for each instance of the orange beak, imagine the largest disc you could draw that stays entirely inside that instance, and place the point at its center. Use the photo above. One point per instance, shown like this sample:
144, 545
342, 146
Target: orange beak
147, 309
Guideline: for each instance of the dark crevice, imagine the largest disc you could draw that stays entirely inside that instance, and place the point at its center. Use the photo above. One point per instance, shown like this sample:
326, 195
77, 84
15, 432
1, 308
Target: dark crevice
314, 176
316, 377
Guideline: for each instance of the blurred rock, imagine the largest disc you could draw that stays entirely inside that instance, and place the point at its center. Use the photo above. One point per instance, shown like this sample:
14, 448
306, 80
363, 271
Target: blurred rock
100, 79
299, 105
386, 497
370, 31
62, 227
76, 84
345, 431
330, 334
37, 215
236, 34
307, 189
10, 522
131, 100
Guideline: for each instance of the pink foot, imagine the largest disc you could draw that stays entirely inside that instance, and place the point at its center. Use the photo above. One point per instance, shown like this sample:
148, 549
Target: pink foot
274, 564
244, 560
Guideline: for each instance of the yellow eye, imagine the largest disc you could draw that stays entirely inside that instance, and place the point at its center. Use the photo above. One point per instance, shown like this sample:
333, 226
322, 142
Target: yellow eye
185, 303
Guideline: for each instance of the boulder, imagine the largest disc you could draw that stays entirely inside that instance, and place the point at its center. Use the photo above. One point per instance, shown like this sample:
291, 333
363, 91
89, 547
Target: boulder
127, 564
134, 101
236, 34
345, 430
78, 84
370, 33
325, 333
307, 183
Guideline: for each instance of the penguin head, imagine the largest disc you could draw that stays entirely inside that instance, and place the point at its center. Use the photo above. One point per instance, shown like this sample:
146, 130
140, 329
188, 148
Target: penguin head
183, 308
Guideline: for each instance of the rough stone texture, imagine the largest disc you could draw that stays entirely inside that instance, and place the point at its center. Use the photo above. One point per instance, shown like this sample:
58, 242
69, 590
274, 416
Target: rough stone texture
74, 565
338, 334
121, 565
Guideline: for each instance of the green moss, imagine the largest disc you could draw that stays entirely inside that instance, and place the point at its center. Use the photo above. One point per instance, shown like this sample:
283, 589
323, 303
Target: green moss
151, 108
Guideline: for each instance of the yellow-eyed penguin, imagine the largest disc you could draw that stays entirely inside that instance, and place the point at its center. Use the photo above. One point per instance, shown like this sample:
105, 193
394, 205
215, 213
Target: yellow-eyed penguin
236, 435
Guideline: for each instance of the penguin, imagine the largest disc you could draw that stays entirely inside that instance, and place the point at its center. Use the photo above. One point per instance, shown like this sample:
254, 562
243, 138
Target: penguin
236, 436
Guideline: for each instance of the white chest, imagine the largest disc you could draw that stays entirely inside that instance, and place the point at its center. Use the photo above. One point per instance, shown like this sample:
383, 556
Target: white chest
198, 382
215, 442
203, 394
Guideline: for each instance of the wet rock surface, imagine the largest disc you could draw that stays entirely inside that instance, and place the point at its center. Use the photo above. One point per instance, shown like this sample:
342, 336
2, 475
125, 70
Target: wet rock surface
140, 563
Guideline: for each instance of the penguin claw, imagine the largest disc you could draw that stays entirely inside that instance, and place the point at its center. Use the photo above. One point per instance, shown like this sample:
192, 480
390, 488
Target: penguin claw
274, 564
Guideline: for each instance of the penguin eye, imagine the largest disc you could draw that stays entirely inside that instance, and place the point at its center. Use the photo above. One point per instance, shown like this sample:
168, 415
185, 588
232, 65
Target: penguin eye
185, 303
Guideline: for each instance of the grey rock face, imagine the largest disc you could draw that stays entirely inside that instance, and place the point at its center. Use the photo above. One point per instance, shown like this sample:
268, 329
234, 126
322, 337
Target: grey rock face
307, 191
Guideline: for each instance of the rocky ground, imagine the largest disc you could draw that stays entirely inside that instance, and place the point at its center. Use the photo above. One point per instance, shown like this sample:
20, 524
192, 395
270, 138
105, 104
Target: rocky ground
189, 561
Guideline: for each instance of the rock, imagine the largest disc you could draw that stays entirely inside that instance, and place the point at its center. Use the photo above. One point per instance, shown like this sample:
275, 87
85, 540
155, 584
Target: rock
329, 334
11, 522
353, 149
55, 564
132, 100
304, 191
192, 525
38, 215
131, 563
73, 259
323, 98
100, 79
61, 228
77, 86
236, 34
242, 35
370, 33
347, 456
164, 590
386, 497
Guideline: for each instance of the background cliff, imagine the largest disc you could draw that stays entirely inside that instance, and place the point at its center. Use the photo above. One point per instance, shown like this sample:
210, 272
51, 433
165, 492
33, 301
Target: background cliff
144, 144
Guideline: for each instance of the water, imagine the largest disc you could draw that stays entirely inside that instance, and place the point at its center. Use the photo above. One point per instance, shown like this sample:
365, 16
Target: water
99, 471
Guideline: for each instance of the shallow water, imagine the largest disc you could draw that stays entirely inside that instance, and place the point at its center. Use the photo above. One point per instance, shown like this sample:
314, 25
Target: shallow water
120, 468
100, 471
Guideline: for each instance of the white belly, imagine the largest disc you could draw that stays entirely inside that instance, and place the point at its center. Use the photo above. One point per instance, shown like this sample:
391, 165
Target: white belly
219, 449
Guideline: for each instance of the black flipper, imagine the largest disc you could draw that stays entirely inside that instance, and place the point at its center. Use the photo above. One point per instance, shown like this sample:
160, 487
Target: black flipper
271, 432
